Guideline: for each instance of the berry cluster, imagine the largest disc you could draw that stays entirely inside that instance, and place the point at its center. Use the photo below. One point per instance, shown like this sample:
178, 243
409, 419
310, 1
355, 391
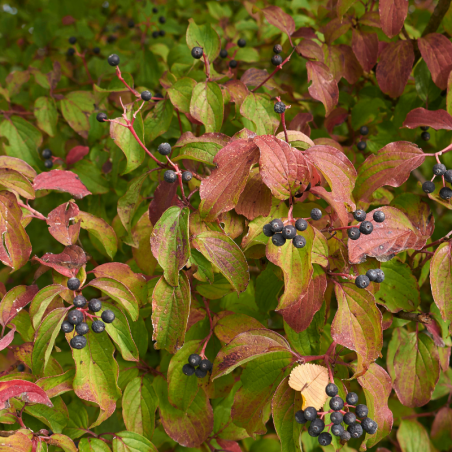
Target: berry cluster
362, 145
425, 135
196, 365
280, 232
365, 227
47, 156
277, 58
374, 275
76, 317
338, 417
439, 170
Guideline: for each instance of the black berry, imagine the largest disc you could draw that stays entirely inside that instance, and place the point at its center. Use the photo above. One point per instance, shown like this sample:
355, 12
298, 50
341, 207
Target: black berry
428, 187
353, 233
355, 430
364, 130
267, 230
379, 216
200, 373
164, 148
131, 23
445, 193
362, 145
72, 40
425, 136
96, 50
241, 42
78, 342
316, 427
223, 53
188, 370
162, 32
352, 397
70, 52
336, 417
276, 60
439, 169
279, 108
331, 390
361, 410
299, 241
233, 64
108, 316
46, 153
277, 225
366, 227
299, 417
380, 276
75, 317
316, 214
155, 34
278, 240
21, 368
325, 439
310, 413
359, 215
155, 10
425, 127
301, 224
369, 425
170, 176
205, 364
82, 328
101, 117
194, 360
187, 176
289, 232
48, 163
113, 60
73, 283
98, 326
362, 281
336, 403
346, 436
95, 305
196, 52
372, 275
67, 327
349, 418
162, 20
337, 430
146, 96
277, 48
79, 301
448, 176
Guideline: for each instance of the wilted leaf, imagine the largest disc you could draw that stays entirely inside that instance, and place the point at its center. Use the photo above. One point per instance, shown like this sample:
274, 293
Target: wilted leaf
392, 16
441, 279
310, 380
437, 119
14, 301
25, 390
59, 222
68, 263
66, 181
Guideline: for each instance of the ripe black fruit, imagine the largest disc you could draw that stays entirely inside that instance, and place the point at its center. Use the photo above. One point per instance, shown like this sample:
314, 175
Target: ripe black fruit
310, 413
353, 233
113, 60
196, 52
366, 227
267, 230
299, 241
67, 327
95, 305
425, 136
200, 373
241, 42
277, 48
277, 225
362, 281
131, 23
155, 10
325, 439
101, 117
70, 52
187, 176
336, 417
223, 53
301, 224
146, 96
425, 127
289, 232
448, 176
155, 34
46, 153
359, 215
445, 193
75, 317
276, 60
372, 275
439, 169
278, 240
369, 425
98, 326
162, 20
170, 176
355, 430
316, 214
361, 410
79, 301
164, 148
21, 368
331, 390
349, 418
194, 360
428, 187
380, 276
108, 316
162, 32
96, 50
279, 108
78, 342
352, 397
316, 427
48, 163
205, 364
188, 370
379, 216
299, 417
364, 130
337, 430
73, 283
72, 40
82, 328
346, 436
233, 64
336, 403
362, 145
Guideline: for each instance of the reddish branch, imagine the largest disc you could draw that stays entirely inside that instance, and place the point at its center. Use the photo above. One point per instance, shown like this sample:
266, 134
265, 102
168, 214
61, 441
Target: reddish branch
207, 339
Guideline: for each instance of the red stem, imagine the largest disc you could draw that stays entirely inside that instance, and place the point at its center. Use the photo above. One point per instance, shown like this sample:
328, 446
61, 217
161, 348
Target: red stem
35, 213
132, 131
283, 119
206, 62
133, 91
82, 56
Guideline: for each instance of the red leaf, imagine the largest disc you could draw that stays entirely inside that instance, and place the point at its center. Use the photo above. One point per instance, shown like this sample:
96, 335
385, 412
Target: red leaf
165, 196
254, 77
14, 301
395, 67
230, 446
305, 32
437, 119
61, 180
392, 16
352, 70
27, 391
434, 329
442, 427
336, 203
67, 263
335, 28
7, 338
323, 87
336, 117
76, 154
58, 221
300, 123
365, 47
277, 17
436, 50
310, 49
67, 20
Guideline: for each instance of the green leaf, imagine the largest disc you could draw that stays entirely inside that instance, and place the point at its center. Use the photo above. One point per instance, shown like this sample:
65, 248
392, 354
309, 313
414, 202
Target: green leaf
203, 36
42, 300
78, 419
441, 279
148, 74
204, 269
413, 437
56, 417
141, 234
17, 183
425, 87
258, 109
158, 121
92, 445
76, 107
46, 114
57, 384
62, 441
229, 326
91, 177
139, 406
225, 254
366, 111
170, 242
180, 94
343, 6
170, 310
206, 105
132, 442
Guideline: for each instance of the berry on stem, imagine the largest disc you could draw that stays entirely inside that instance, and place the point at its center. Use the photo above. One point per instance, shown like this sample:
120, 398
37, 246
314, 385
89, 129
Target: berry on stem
162, 32
82, 328
279, 107
48, 163
108, 316
67, 327
355, 430
372, 275
75, 317
362, 281
364, 130
289, 232
366, 227
362, 145
299, 417
277, 225
196, 52
352, 397
425, 127
194, 360
316, 214
276, 60
310, 413
223, 53
353, 233
336, 417
233, 64
325, 439
155, 10
95, 305
448, 176
241, 42
146, 96
428, 187
96, 50
299, 241
101, 117
337, 430
425, 136
187, 176
206, 365
70, 52
200, 373
98, 326
346, 436
113, 60
170, 176
316, 427
349, 418
72, 40
78, 342
46, 153
277, 48
80, 301
278, 239
21, 368
164, 148
188, 370
379, 216
369, 425
301, 224
336, 403
380, 276
267, 230
361, 410
331, 390
73, 283
359, 215
439, 169
155, 34
162, 19
445, 193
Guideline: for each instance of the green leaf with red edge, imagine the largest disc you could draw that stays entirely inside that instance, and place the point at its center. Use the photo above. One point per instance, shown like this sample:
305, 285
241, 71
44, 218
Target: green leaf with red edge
46, 114
20, 441
413, 364
139, 406
158, 121
17, 165
56, 418
25, 390
245, 347
278, 18
225, 254
41, 302
67, 263
442, 428
76, 107
357, 324
229, 325
377, 387
96, 374
436, 119
141, 233
92, 445
206, 105
170, 311
203, 36
392, 16
170, 242
296, 266
441, 279
57, 384
323, 87
59, 222
180, 94
190, 428
14, 301
259, 110
132, 442
413, 437
285, 403
449, 94
16, 182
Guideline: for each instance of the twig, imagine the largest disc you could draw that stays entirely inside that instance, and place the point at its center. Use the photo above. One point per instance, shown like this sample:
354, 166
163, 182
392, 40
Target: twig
35, 213
133, 91
420, 317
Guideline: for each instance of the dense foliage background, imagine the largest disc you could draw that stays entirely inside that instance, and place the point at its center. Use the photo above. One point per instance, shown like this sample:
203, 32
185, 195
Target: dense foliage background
185, 267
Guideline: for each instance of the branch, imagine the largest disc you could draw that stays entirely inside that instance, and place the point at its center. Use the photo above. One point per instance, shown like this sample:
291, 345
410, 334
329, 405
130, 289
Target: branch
437, 16
420, 317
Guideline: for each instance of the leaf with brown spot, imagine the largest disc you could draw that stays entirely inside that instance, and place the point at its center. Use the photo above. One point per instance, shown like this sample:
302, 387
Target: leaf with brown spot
66, 181
14, 301
392, 16
437, 119
323, 87
441, 279
278, 18
25, 390
365, 48
68, 263
59, 220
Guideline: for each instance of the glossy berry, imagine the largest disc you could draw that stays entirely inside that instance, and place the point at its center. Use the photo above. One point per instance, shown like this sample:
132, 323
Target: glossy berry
352, 397
331, 390
278, 240
200, 373
267, 230
316, 427
73, 283
336, 417
155, 10
277, 225
337, 430
425, 127
206, 365
241, 42
448, 176
75, 317
276, 60
372, 275
194, 360
369, 425
46, 153
48, 163
113, 60
187, 176
301, 224
445, 193
359, 215
108, 316
78, 342
164, 148
277, 48
162, 32
425, 136
299, 417
146, 96
170, 176
355, 430
223, 53
361, 410
155, 34
21, 368
380, 276
439, 169
310, 413
379, 216
346, 436
72, 40
82, 328
336, 403
101, 117
188, 370
316, 214
95, 305
162, 20
362, 281
196, 52
79, 301
279, 108
366, 227
428, 187
349, 418
353, 233
299, 241
70, 52
67, 327
364, 130
325, 439
289, 232
98, 326
131, 23
96, 50
362, 145
233, 64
